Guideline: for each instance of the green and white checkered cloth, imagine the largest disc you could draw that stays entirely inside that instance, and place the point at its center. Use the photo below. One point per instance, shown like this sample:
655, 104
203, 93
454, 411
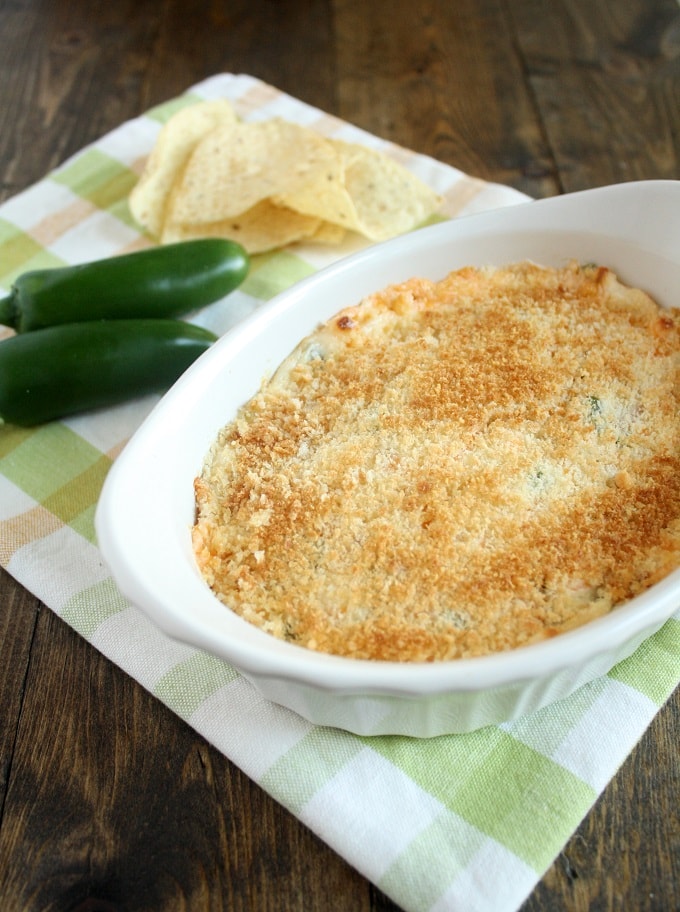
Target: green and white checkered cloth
457, 822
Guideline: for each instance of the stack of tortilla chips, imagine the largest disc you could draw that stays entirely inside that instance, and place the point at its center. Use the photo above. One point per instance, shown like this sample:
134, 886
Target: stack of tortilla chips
270, 183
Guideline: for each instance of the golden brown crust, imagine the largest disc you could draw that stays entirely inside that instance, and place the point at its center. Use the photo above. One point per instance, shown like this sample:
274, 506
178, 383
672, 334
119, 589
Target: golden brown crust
452, 469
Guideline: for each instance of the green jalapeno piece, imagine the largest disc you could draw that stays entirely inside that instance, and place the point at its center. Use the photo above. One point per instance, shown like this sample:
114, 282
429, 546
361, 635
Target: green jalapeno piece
160, 282
61, 370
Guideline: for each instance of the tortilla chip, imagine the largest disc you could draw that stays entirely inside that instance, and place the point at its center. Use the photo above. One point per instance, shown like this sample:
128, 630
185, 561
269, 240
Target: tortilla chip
263, 227
388, 198
238, 165
377, 197
176, 141
324, 197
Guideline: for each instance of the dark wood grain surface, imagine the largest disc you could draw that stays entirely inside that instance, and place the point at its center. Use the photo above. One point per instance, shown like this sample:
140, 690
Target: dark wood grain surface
107, 800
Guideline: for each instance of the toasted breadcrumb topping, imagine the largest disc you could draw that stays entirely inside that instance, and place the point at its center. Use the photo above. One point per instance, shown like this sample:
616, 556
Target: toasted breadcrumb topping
454, 468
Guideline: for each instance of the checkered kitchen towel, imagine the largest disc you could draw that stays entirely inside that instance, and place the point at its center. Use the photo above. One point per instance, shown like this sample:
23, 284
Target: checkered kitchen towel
457, 822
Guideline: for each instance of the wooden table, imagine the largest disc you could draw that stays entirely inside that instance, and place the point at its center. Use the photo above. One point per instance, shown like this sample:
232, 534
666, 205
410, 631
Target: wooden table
107, 800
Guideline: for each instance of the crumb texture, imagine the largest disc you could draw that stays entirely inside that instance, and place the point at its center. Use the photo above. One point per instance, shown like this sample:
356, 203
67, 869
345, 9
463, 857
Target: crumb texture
453, 468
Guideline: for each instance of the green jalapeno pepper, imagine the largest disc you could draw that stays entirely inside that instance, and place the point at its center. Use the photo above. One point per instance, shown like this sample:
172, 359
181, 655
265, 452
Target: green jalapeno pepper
61, 370
160, 282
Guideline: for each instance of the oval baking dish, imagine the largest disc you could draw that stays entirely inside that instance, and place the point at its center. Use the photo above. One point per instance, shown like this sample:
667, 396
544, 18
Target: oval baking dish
146, 509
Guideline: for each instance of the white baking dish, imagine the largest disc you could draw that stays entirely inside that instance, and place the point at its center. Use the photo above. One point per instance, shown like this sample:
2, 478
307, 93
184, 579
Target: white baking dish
146, 509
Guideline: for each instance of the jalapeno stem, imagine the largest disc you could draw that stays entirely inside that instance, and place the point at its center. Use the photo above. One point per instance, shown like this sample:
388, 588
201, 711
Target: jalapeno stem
8, 311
